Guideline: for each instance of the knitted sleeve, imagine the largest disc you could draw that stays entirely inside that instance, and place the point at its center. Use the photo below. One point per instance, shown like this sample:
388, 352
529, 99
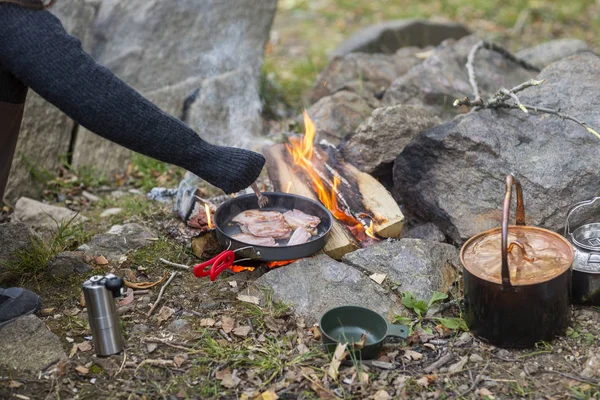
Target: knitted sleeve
36, 49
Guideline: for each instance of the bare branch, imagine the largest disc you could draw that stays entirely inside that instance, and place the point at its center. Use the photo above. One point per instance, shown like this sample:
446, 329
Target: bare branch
162, 291
172, 264
508, 55
471, 69
513, 96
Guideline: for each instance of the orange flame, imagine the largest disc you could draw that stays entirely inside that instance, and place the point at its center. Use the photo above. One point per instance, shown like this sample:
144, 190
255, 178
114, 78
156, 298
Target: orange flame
272, 264
302, 151
289, 187
208, 216
370, 232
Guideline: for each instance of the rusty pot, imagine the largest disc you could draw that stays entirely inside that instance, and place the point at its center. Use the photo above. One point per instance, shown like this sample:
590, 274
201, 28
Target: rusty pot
517, 298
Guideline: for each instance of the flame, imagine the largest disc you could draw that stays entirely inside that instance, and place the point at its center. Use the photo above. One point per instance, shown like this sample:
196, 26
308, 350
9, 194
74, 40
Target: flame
208, 216
272, 264
239, 268
370, 232
289, 187
302, 151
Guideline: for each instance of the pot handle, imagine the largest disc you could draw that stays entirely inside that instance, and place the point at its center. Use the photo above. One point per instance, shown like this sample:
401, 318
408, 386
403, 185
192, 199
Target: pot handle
510, 181
398, 331
567, 232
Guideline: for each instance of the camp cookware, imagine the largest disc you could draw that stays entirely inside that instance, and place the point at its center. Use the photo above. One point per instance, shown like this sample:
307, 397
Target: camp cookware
517, 280
282, 202
347, 324
586, 266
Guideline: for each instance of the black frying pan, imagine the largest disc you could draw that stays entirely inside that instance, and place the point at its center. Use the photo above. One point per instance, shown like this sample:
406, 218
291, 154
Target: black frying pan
282, 202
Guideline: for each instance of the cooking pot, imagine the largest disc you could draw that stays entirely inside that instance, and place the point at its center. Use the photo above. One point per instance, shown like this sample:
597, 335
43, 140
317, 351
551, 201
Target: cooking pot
586, 265
517, 293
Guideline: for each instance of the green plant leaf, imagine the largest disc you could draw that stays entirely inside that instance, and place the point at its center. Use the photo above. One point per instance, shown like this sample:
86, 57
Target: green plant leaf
408, 300
453, 323
402, 320
436, 297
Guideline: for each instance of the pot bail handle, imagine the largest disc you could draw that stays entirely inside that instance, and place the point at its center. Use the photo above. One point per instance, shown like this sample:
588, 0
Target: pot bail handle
510, 182
397, 331
567, 232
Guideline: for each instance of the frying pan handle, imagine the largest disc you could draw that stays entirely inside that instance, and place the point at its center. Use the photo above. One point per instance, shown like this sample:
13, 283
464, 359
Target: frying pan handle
398, 331
510, 182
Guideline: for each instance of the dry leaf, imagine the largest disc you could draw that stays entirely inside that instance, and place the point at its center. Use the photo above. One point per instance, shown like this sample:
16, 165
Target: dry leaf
381, 395
379, 278
227, 324
228, 379
101, 260
81, 299
262, 338
207, 322
458, 366
233, 284
412, 355
164, 314
179, 359
62, 367
248, 299
485, 393
85, 346
14, 384
82, 370
242, 330
146, 285
316, 332
361, 343
128, 299
73, 350
302, 348
338, 356
151, 347
426, 380
44, 312
268, 395
70, 339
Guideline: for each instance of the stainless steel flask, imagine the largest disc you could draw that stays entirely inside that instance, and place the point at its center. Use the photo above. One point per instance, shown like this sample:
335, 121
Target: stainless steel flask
100, 292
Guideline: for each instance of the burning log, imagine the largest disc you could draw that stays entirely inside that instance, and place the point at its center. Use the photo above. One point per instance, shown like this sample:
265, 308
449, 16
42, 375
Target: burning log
206, 245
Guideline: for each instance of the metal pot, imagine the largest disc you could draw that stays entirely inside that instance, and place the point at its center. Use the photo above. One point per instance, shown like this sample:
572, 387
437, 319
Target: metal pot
516, 299
586, 266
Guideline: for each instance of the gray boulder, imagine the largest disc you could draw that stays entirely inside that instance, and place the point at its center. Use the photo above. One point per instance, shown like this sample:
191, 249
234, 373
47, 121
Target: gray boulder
426, 231
418, 266
378, 141
442, 77
549, 52
338, 115
364, 74
454, 174
118, 241
389, 36
314, 285
15, 238
67, 263
43, 217
27, 345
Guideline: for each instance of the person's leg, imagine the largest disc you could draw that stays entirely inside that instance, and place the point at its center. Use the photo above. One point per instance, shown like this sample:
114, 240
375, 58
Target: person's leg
10, 116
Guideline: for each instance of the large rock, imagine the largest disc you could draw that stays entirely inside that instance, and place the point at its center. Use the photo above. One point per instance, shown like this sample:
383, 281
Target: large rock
365, 74
44, 217
118, 241
15, 238
549, 52
377, 142
427, 231
389, 36
454, 174
338, 115
27, 345
442, 77
45, 129
68, 263
419, 266
314, 285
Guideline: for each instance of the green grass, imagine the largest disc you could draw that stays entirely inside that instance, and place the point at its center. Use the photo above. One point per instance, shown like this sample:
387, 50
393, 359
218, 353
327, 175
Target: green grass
149, 173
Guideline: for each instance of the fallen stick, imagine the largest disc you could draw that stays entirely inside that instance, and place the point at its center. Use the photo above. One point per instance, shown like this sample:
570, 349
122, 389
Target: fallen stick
172, 264
439, 363
225, 335
162, 291
141, 292
478, 379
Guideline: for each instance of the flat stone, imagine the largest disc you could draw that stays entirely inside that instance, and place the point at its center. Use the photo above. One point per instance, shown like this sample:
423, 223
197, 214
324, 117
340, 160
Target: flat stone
418, 266
545, 54
67, 263
378, 141
27, 345
109, 212
314, 285
44, 217
389, 36
454, 174
179, 325
15, 238
118, 241
426, 231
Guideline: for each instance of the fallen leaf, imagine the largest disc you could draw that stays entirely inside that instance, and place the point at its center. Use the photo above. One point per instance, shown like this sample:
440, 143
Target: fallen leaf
302, 348
81, 300
363, 377
180, 359
458, 366
164, 314
338, 356
128, 299
70, 339
248, 299
485, 393
228, 379
379, 278
73, 350
101, 260
412, 355
14, 384
227, 324
361, 343
381, 395
84, 346
207, 322
62, 367
268, 395
233, 284
425, 380
151, 347
316, 332
44, 312
146, 285
82, 370
242, 330
262, 338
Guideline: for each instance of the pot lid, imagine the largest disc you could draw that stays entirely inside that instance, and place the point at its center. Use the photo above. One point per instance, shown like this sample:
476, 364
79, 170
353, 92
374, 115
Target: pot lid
535, 255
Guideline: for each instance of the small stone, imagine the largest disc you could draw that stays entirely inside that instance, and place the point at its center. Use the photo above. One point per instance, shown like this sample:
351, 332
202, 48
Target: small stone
140, 328
463, 388
475, 358
179, 325
90, 196
503, 353
110, 212
118, 241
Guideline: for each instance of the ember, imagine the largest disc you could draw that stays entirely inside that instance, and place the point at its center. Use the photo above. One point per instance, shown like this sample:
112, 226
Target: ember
272, 264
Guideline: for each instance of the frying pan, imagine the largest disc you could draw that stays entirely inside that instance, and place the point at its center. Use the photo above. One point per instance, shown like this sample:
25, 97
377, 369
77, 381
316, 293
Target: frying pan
282, 202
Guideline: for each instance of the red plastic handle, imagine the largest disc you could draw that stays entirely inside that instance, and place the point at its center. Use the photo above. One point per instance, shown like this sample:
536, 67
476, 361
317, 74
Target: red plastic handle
215, 265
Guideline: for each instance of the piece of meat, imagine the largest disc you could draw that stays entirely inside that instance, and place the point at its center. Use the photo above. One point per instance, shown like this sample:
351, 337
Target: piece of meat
300, 236
258, 241
297, 218
257, 216
273, 229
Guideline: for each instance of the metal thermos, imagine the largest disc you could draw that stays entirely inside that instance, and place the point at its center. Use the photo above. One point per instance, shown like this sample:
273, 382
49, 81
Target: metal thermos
100, 292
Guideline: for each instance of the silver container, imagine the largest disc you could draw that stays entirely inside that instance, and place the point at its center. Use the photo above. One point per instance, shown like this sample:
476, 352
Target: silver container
100, 293
585, 240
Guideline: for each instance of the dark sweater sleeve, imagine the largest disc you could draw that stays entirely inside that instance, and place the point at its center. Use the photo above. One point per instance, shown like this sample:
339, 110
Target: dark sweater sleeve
35, 48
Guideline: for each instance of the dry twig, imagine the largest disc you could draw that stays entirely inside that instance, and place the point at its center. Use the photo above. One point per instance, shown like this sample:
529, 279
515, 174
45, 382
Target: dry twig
477, 381
172, 264
162, 291
439, 363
